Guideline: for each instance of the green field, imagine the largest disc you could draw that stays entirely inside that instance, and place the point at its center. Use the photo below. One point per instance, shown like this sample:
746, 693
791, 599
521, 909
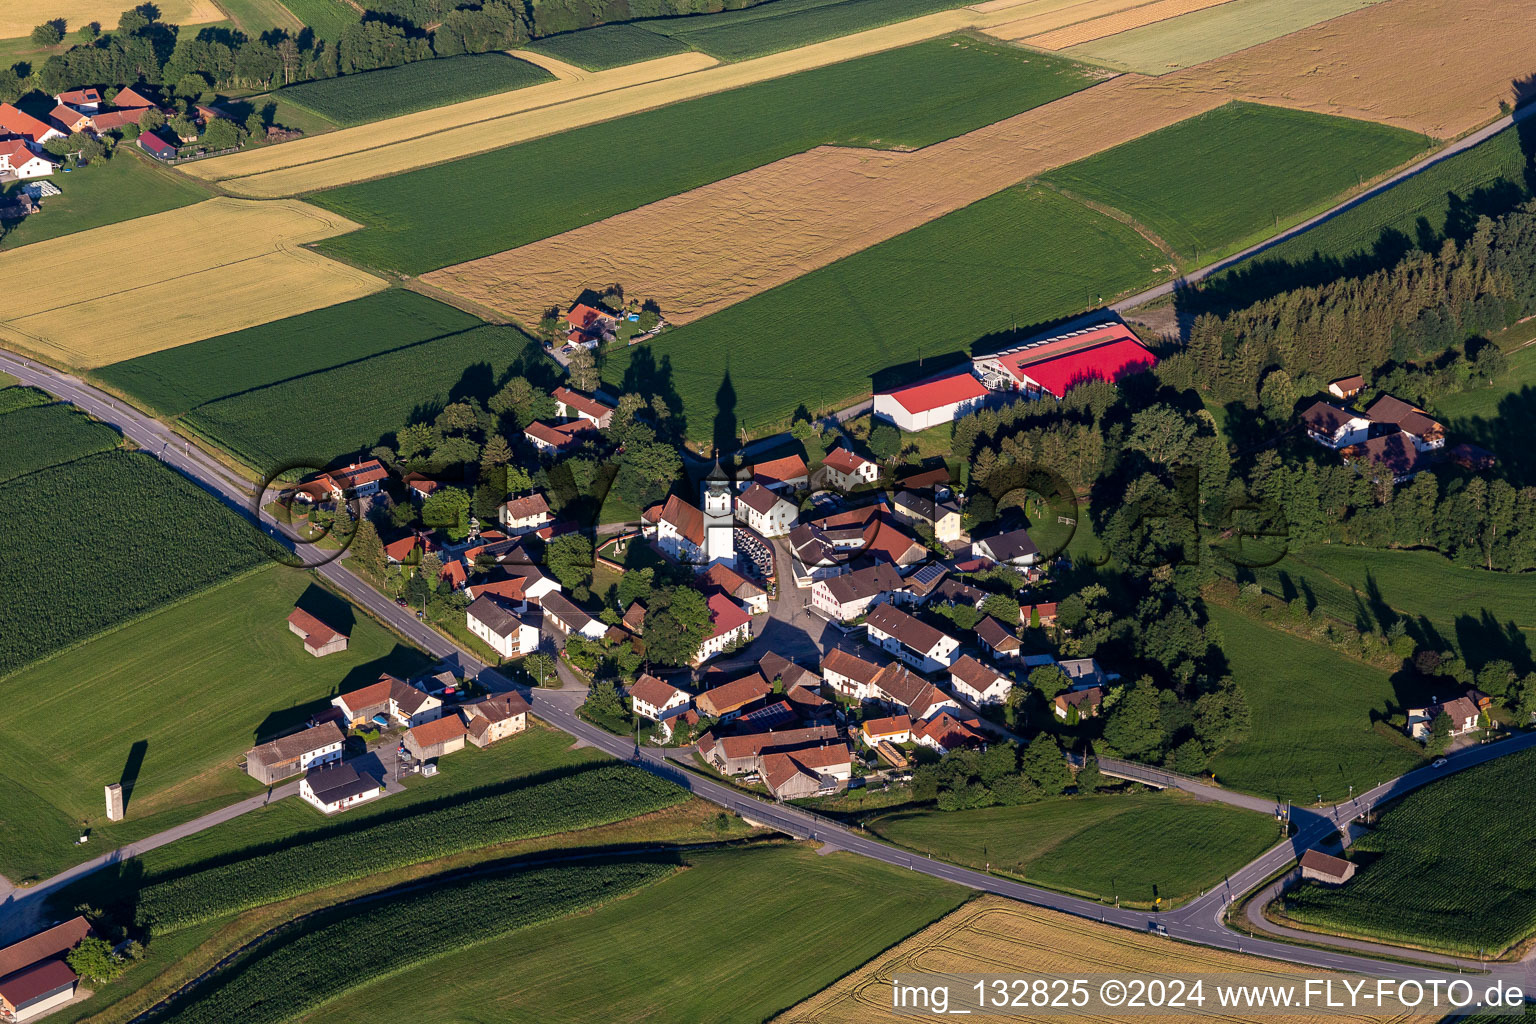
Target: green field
1312, 717
747, 933
173, 381
313, 419
1134, 847
1449, 867
106, 192
100, 713
1463, 410
1200, 36
91, 545
49, 435
253, 17
911, 97
608, 46
328, 18
374, 95
1017, 258
1212, 184
1372, 587
14, 397
786, 24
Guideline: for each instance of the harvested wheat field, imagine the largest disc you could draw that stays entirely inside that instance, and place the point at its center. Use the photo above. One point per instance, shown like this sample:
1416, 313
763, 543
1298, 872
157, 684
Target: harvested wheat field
1110, 24
19, 17
464, 129
992, 935
1440, 67
727, 241
172, 278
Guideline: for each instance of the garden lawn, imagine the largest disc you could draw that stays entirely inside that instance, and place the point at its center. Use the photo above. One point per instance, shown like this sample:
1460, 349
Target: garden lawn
328, 18
313, 419
172, 381
768, 926
1212, 184
484, 204
122, 708
1312, 713
608, 46
105, 192
421, 85
786, 24
1017, 258
1136, 847
1463, 833
40, 436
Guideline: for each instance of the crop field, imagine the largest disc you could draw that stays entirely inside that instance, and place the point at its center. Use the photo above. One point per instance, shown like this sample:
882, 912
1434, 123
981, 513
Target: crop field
375, 95
14, 396
608, 46
161, 264
1130, 847
1484, 896
300, 970
276, 426
97, 714
784, 24
907, 98
1156, 49
993, 935
49, 435
253, 17
707, 909
173, 381
1020, 257
595, 795
1210, 185
328, 18
1317, 708
1099, 19
108, 191
18, 17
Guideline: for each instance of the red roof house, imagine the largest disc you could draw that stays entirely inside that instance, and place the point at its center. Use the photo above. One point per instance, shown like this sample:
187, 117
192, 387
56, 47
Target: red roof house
18, 122
931, 402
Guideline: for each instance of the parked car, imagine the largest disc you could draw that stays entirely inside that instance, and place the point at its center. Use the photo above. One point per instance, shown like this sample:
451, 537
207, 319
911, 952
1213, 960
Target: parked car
1438, 762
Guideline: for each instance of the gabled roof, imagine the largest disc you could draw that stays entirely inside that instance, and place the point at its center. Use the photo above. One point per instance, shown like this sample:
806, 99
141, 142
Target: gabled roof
443, 730
85, 95
910, 632
756, 744
719, 700
1325, 418
286, 748
497, 619
1327, 864
32, 984
1091, 697
584, 317
996, 635
760, 499
1005, 547
949, 732
530, 505
498, 707
126, 97
316, 633
1110, 360
687, 520
901, 685
336, 781
587, 404
1354, 383
936, 392
730, 581
403, 548
47, 943
558, 435
974, 674
891, 726
19, 122
1410, 418
725, 615
653, 691
790, 467
359, 474
845, 460
562, 608
1394, 452
111, 120
863, 584
370, 696
846, 663
634, 618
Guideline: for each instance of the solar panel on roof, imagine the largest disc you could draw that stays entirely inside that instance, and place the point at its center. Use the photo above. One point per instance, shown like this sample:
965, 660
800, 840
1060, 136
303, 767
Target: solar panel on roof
928, 573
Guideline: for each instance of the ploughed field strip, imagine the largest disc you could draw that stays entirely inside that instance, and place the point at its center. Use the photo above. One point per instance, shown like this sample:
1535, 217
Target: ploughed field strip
1099, 18
244, 252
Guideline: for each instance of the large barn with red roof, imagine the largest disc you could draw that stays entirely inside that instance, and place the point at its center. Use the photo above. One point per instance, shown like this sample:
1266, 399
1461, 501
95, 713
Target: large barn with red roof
1054, 364
931, 402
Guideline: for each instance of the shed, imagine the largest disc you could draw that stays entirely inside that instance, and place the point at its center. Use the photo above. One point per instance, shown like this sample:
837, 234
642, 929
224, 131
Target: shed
1317, 866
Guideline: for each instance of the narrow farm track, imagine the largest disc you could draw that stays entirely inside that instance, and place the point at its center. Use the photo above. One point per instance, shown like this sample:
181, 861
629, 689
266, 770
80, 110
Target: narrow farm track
1199, 921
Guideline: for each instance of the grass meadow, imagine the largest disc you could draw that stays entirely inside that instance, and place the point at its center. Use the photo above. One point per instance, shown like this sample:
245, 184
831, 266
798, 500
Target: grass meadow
107, 191
608, 46
910, 97
1212, 184
1463, 833
1313, 713
1134, 847
173, 381
758, 928
786, 24
122, 708
1022, 256
375, 95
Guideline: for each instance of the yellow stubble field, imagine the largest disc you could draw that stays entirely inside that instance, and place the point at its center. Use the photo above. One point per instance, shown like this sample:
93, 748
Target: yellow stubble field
992, 935
1097, 27
143, 285
19, 17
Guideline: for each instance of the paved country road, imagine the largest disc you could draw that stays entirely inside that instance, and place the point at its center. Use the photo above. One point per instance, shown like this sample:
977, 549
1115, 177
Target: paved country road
1198, 922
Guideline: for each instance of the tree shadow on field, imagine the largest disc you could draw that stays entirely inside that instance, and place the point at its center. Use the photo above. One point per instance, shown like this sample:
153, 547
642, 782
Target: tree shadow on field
646, 376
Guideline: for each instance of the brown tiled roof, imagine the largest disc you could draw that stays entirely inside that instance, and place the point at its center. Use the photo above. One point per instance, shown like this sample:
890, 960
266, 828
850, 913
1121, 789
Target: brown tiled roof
46, 943
653, 691
687, 520
582, 403
530, 505
316, 633
879, 578
634, 618
846, 663
1092, 697
996, 635
372, 695
498, 707
910, 632
498, 619
359, 473
286, 748
1325, 418
1395, 452
38, 980
738, 693
844, 460
890, 726
949, 732
1317, 860
901, 685
754, 744
1354, 383
430, 734
759, 499
730, 581
973, 673
790, 467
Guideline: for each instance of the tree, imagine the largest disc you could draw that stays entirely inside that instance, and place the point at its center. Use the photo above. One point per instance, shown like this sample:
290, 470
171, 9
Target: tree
414, 440
191, 85
1044, 765
583, 370
447, 508
515, 400
10, 86
1439, 733
1017, 697
605, 702
367, 552
94, 960
1049, 680
457, 418
885, 442
151, 120
1161, 433
541, 667
1002, 608
1089, 778
417, 589
221, 134
1134, 726
1222, 716
431, 568
496, 451
569, 559
183, 127
635, 585
675, 626
49, 33
255, 125
90, 31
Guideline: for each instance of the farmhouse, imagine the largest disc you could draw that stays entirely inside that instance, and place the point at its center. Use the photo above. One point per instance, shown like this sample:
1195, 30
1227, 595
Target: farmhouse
507, 634
808, 771
654, 699
360, 479
1054, 364
589, 325
319, 639
524, 515
1014, 548
288, 755
1464, 713
977, 683
849, 674
435, 739
915, 642
727, 700
337, 785
847, 470
728, 581
20, 123
494, 718
942, 517
736, 755
1333, 427
1317, 866
391, 697
561, 613
1085, 702
18, 160
551, 438
34, 975
899, 687
845, 598
928, 403
85, 98
1346, 387
765, 511
1425, 432
678, 528
570, 405
895, 729
946, 731
784, 474
997, 638
1394, 454
731, 625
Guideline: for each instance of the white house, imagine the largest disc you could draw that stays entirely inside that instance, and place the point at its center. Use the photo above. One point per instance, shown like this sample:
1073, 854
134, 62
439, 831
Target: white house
655, 699
915, 642
736, 586
849, 674
943, 517
931, 402
1015, 547
767, 512
17, 159
731, 625
288, 755
567, 618
895, 729
847, 470
337, 785
575, 405
678, 529
508, 635
845, 598
978, 683
1333, 427
525, 515
1423, 430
